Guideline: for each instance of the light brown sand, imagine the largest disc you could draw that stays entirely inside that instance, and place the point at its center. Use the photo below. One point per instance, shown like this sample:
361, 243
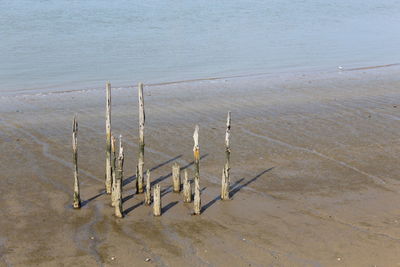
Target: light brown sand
315, 174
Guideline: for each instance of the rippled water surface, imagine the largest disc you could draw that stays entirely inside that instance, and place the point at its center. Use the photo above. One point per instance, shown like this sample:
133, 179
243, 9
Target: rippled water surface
74, 44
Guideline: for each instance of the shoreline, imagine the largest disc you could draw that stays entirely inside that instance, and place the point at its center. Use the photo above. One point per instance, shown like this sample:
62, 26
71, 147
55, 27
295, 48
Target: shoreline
292, 73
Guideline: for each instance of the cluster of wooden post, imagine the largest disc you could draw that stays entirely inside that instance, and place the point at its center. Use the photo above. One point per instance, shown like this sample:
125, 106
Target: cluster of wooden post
114, 166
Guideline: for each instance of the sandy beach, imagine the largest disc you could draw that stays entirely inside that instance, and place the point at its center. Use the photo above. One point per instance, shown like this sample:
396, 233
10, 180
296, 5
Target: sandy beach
315, 173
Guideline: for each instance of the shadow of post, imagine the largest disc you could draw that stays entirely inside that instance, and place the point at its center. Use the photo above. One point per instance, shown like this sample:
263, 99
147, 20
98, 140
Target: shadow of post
133, 177
127, 198
209, 204
236, 187
133, 207
239, 186
170, 205
162, 178
85, 202
166, 191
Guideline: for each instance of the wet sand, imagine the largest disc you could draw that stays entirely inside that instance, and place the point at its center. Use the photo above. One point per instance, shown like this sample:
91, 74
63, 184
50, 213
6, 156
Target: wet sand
315, 174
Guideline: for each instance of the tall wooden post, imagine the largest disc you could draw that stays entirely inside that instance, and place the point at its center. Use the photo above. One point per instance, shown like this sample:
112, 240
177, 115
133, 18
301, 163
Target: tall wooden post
118, 181
176, 177
187, 189
140, 166
157, 200
225, 184
196, 152
147, 196
113, 170
77, 199
108, 137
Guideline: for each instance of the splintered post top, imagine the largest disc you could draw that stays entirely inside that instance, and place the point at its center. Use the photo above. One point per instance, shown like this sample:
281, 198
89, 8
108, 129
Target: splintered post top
196, 138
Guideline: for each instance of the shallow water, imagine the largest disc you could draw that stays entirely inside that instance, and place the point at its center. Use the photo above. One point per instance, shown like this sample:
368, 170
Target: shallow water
71, 44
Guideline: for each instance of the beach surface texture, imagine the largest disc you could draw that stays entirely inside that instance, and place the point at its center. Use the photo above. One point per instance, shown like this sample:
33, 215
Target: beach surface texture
314, 173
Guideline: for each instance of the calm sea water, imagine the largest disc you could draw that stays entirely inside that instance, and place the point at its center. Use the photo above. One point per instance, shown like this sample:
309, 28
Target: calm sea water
75, 44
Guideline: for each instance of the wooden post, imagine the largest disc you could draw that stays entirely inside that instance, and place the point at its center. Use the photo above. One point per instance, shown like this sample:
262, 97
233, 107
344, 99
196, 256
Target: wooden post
136, 181
108, 136
197, 201
113, 170
187, 189
147, 196
225, 184
176, 177
77, 199
196, 152
157, 200
118, 181
140, 166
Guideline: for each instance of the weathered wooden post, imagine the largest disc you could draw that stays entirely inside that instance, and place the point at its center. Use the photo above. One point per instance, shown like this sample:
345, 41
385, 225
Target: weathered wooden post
108, 137
187, 189
176, 177
77, 198
113, 170
147, 196
225, 184
157, 200
137, 175
196, 152
118, 181
140, 166
197, 201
